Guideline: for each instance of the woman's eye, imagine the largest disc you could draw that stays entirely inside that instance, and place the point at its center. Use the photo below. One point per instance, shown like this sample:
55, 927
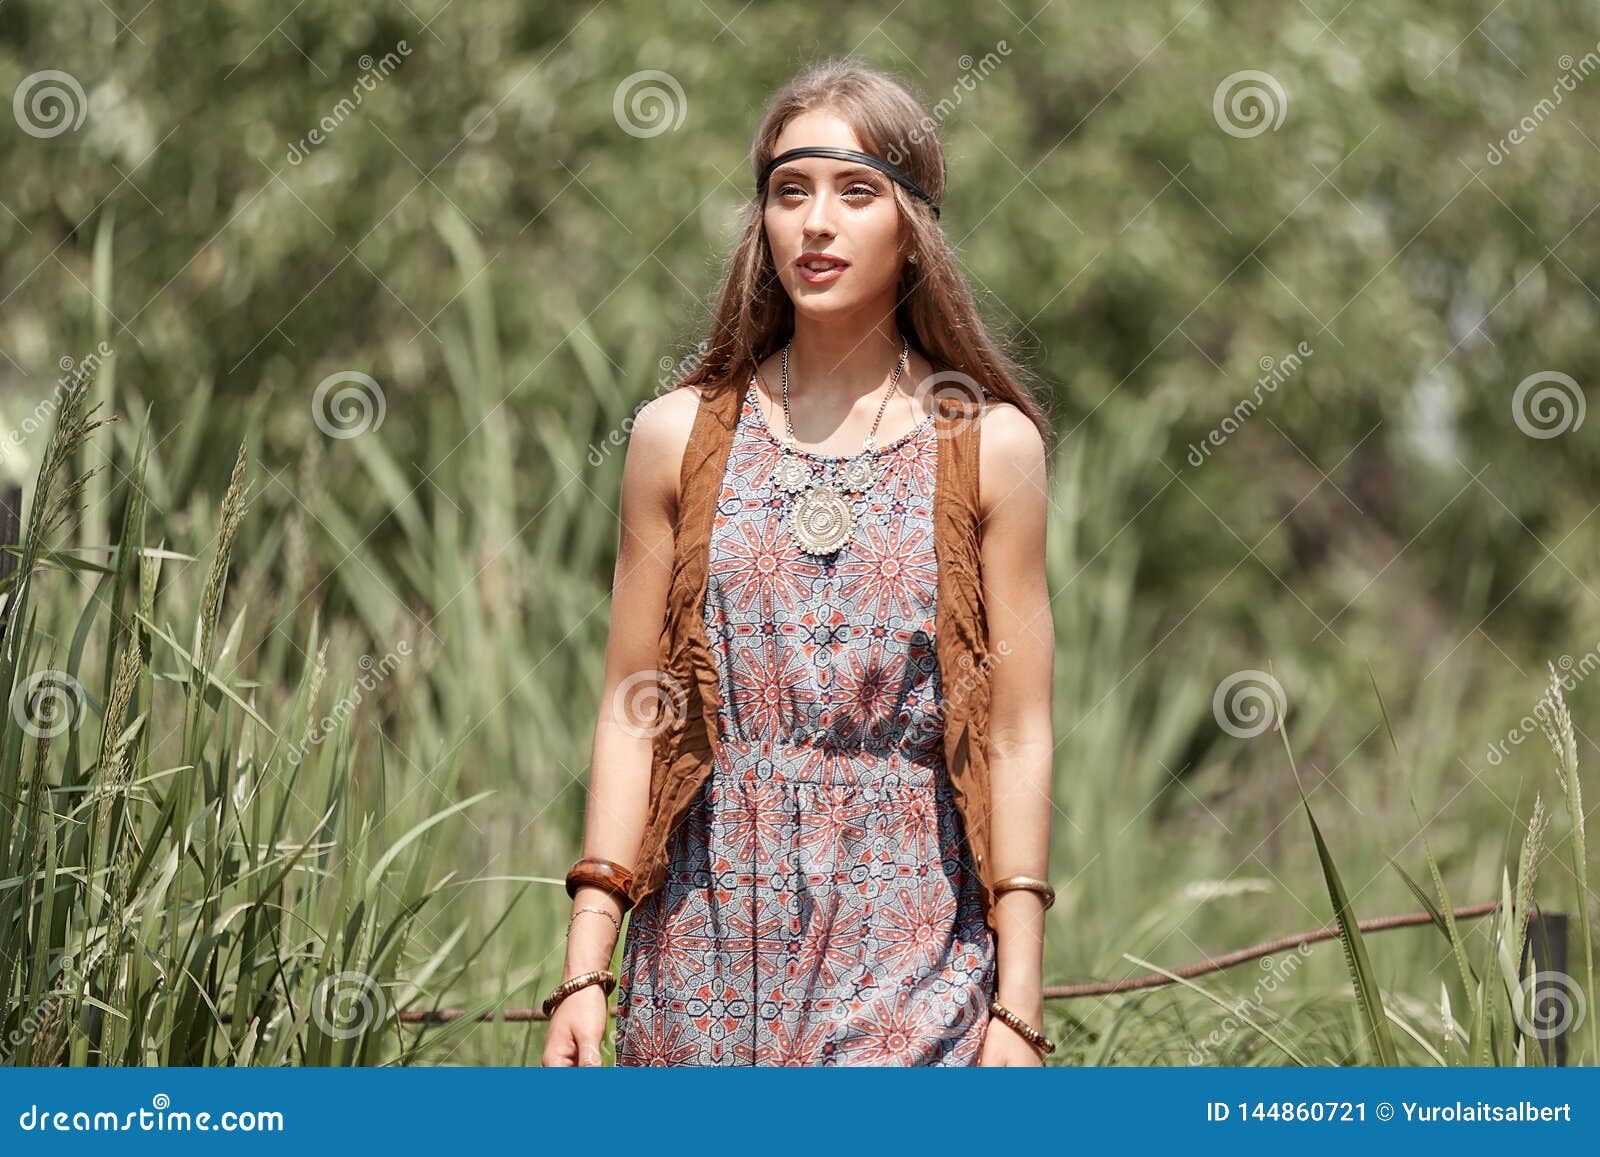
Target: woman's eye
862, 190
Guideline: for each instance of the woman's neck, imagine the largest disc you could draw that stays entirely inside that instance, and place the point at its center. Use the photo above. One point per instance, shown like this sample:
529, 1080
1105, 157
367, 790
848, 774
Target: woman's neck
834, 363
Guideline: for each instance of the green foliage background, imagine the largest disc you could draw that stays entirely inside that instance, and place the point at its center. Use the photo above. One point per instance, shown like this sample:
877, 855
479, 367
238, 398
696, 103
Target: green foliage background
518, 273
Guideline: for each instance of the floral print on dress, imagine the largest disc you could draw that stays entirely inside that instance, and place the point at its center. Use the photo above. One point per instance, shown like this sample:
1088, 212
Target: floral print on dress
817, 909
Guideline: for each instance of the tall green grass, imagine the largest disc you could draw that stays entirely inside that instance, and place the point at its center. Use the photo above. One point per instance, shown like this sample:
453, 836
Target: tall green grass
177, 889
1513, 1012
197, 868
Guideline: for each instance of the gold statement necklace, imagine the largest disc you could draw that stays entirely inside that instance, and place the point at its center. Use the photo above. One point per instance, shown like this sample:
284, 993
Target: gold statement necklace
821, 521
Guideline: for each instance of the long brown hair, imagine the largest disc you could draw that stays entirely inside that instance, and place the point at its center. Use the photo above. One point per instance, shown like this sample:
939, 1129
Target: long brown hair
754, 316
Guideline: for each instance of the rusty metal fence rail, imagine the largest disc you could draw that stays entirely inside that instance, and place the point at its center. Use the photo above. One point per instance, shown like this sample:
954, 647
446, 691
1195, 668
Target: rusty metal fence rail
1546, 951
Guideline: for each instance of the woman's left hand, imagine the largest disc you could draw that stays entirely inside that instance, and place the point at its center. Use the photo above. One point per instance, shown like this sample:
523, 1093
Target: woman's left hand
1003, 1045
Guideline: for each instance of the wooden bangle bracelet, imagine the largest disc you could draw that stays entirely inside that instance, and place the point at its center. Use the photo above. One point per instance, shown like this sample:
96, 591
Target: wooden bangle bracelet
605, 874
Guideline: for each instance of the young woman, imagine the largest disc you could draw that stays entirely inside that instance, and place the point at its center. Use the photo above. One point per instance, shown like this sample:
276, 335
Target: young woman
821, 781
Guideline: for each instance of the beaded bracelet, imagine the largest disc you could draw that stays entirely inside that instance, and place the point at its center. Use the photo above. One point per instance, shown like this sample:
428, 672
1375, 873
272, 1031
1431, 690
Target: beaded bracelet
602, 976
1032, 1035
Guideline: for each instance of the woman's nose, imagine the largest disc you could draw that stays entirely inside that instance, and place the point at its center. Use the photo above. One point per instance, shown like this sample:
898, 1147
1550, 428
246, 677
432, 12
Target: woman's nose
819, 218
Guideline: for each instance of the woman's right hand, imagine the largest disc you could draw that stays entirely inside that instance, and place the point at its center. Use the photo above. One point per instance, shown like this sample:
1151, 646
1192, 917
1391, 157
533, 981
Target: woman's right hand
577, 1026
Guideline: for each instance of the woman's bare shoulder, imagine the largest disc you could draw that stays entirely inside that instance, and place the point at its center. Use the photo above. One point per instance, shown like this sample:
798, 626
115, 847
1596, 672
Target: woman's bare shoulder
1011, 452
659, 437
1005, 422
669, 415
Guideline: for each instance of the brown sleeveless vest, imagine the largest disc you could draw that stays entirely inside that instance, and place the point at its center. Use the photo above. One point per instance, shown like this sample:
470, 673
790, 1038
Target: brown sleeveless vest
682, 752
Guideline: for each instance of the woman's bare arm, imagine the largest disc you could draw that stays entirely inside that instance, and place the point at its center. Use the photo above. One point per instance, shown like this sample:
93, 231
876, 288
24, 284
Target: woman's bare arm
1013, 498
619, 774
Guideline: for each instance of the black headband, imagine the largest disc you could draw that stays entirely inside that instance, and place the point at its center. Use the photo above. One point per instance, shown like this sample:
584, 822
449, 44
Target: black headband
882, 166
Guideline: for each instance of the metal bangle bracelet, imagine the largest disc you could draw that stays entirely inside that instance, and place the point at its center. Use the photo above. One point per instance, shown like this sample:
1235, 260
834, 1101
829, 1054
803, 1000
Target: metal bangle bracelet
1026, 883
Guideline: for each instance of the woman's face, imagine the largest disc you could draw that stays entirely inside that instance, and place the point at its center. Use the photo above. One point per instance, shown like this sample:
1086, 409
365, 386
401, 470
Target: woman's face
817, 206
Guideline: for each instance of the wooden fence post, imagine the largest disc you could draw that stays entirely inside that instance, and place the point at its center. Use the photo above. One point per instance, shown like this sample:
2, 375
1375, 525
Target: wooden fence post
10, 535
1553, 986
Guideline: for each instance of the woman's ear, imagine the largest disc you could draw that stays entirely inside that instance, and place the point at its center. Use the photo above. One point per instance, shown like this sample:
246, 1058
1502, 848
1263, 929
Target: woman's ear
907, 247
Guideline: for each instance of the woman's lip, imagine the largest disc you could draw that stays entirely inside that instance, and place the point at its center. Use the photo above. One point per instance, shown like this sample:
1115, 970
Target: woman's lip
813, 277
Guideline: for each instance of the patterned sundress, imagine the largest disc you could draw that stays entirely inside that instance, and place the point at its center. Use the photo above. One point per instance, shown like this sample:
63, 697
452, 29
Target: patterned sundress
817, 908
